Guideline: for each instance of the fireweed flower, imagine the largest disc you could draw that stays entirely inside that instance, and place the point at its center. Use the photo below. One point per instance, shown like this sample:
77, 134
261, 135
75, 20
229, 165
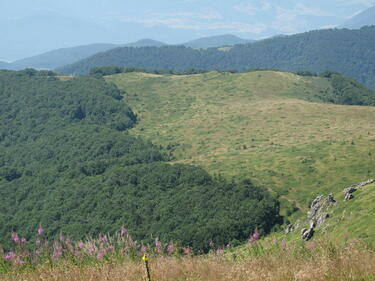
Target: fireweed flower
18, 261
15, 237
143, 249
254, 237
171, 248
62, 238
158, 245
10, 256
103, 239
123, 231
40, 231
101, 254
23, 240
220, 251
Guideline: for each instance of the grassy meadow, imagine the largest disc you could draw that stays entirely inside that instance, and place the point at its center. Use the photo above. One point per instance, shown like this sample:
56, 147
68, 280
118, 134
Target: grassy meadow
265, 125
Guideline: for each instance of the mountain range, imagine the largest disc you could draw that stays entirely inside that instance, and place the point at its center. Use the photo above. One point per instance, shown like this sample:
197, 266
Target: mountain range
65, 56
350, 52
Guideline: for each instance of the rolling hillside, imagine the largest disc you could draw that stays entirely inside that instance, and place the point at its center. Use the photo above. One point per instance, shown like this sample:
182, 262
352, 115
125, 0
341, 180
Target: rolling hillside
315, 51
269, 126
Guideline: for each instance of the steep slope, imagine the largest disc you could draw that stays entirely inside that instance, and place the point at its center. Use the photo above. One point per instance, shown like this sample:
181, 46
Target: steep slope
216, 41
315, 51
269, 126
60, 57
366, 18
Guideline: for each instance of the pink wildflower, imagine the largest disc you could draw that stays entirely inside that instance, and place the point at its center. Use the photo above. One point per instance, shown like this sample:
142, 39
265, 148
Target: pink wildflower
143, 249
81, 244
123, 231
15, 237
254, 237
171, 248
23, 240
220, 251
38, 251
10, 256
18, 261
40, 230
158, 245
103, 239
101, 254
62, 238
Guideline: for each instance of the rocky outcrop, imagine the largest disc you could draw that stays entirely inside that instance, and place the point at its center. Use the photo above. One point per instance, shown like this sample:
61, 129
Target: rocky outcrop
318, 213
348, 192
307, 233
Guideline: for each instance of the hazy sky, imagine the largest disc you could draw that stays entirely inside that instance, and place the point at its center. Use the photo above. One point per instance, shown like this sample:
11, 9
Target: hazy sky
173, 21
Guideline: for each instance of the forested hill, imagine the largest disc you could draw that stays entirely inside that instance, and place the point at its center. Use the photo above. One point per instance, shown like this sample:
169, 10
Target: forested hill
68, 164
350, 52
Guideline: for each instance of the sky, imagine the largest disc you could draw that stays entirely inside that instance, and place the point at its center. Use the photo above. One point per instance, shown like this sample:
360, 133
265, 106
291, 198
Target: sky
32, 26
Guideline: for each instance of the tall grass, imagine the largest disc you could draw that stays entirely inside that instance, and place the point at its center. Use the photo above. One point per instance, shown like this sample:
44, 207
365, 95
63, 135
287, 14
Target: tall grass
258, 260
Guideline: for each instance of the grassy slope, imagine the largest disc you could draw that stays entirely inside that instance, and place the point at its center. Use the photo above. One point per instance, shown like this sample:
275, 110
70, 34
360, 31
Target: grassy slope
352, 219
258, 125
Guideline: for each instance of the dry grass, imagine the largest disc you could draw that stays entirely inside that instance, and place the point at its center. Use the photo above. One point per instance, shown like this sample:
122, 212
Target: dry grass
352, 262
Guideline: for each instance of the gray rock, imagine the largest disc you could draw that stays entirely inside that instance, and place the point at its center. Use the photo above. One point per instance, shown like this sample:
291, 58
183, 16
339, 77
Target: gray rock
289, 228
307, 234
348, 196
317, 214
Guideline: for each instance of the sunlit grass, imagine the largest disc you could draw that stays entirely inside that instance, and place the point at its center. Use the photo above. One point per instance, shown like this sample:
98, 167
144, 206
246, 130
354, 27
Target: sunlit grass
263, 125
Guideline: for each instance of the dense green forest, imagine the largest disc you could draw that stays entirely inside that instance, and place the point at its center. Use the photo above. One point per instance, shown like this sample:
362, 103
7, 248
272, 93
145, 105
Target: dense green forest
350, 52
67, 163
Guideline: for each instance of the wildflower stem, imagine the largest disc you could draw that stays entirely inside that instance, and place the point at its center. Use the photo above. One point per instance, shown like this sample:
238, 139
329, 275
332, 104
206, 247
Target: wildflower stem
148, 275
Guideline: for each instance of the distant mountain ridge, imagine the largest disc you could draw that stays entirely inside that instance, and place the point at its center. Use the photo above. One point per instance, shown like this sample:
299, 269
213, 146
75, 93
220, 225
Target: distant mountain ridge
366, 18
315, 51
216, 41
65, 56
60, 57
145, 43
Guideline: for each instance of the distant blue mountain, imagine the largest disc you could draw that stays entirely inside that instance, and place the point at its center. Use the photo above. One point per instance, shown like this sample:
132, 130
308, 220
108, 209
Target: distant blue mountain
145, 43
216, 41
60, 57
367, 17
4, 65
